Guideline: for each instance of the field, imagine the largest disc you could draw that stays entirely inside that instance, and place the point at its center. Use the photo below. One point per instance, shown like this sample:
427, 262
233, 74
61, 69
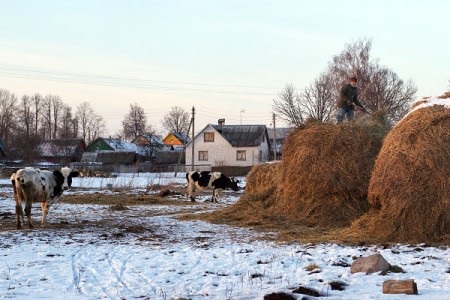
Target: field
128, 242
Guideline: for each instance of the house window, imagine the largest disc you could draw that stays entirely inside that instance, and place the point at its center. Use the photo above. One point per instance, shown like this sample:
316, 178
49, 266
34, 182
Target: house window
209, 137
203, 155
241, 155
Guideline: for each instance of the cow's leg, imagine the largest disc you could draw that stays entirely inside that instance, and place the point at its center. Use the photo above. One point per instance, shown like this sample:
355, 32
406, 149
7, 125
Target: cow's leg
214, 196
191, 191
44, 212
19, 213
19, 209
28, 195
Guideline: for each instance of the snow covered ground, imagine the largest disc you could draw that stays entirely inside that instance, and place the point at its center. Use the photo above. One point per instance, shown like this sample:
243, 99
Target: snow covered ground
163, 258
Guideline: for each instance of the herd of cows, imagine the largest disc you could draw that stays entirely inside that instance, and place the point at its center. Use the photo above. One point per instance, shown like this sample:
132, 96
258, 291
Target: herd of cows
47, 187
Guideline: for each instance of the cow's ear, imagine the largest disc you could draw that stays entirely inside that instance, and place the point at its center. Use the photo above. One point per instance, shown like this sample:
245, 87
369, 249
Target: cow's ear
74, 174
59, 177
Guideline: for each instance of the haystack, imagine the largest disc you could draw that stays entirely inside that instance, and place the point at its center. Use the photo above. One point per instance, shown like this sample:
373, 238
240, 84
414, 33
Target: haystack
325, 173
409, 189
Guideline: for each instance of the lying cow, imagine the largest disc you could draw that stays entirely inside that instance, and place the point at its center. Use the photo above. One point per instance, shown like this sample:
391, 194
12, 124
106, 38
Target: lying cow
31, 184
209, 180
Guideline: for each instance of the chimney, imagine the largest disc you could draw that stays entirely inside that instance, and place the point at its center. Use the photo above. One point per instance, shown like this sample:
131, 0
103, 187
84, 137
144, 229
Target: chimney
221, 122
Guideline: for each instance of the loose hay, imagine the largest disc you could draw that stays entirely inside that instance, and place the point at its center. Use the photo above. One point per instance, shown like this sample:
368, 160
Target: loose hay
325, 173
410, 185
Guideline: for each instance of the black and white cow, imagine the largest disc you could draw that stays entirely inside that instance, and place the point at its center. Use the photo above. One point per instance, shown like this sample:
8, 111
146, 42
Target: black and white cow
209, 180
32, 184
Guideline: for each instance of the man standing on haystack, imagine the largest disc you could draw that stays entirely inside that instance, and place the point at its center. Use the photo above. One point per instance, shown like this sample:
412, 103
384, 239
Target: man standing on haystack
348, 98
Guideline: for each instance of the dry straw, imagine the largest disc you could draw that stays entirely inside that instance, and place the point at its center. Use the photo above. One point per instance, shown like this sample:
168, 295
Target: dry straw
325, 173
409, 189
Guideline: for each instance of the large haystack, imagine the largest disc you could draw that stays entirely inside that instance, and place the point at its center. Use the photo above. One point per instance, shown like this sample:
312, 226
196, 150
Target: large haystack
325, 173
410, 185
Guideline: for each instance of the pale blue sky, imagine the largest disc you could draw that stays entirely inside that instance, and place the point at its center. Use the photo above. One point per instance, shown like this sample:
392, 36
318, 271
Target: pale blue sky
220, 56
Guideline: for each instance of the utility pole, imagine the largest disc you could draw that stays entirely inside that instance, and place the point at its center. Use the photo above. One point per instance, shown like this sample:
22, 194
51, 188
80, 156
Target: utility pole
193, 136
274, 138
242, 111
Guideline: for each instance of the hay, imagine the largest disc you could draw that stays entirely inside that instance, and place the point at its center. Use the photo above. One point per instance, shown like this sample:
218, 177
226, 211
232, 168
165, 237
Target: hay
261, 184
325, 173
409, 189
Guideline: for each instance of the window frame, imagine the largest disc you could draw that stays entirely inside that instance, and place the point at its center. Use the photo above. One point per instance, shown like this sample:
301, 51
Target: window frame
208, 140
239, 157
201, 155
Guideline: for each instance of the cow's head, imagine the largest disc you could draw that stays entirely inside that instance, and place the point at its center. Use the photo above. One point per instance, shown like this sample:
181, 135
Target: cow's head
234, 184
68, 174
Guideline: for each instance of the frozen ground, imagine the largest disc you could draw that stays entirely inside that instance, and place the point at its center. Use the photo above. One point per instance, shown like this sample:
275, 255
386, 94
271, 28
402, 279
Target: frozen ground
145, 253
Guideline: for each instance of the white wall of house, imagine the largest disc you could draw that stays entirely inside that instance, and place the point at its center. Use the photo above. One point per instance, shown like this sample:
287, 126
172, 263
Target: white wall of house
221, 153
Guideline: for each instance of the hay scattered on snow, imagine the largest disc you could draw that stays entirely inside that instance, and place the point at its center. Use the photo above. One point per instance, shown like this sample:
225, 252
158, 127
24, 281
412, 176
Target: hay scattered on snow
410, 185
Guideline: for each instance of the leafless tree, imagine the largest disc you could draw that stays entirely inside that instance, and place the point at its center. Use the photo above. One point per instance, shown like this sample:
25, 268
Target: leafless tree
379, 88
176, 120
135, 122
36, 101
88, 122
8, 103
25, 118
318, 100
288, 106
66, 129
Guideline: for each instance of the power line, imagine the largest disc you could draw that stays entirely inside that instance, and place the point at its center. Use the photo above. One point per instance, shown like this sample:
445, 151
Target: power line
60, 77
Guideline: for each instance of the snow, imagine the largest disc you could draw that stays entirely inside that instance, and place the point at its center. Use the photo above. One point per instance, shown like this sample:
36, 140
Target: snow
175, 259
428, 102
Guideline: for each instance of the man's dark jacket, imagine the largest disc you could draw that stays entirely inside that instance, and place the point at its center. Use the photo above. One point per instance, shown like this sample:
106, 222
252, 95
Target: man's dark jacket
348, 96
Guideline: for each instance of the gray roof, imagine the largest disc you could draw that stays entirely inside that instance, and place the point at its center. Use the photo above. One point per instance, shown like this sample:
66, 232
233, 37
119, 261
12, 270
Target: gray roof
61, 147
242, 135
282, 133
109, 157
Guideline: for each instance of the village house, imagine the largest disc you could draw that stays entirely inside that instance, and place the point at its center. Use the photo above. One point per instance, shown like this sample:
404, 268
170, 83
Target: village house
218, 146
61, 150
113, 151
175, 139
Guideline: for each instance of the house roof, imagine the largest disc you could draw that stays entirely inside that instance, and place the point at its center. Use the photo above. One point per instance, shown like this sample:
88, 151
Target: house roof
182, 137
109, 157
120, 145
242, 135
282, 133
152, 139
60, 147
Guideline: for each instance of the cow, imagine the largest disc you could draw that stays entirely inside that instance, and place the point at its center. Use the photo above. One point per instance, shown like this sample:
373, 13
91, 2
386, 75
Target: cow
32, 184
209, 180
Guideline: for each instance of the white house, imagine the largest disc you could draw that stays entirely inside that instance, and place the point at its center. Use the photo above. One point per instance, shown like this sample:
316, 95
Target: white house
228, 145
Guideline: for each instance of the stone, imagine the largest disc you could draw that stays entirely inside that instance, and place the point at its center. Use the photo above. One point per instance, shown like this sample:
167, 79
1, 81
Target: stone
408, 287
371, 264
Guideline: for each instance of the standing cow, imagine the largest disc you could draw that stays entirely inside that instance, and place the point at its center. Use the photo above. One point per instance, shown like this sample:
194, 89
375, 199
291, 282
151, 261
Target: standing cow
209, 180
32, 184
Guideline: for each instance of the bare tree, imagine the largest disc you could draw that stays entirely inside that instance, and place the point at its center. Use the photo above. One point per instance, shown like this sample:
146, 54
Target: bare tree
88, 122
288, 106
318, 100
135, 122
379, 88
176, 120
25, 118
36, 100
8, 102
57, 109
66, 121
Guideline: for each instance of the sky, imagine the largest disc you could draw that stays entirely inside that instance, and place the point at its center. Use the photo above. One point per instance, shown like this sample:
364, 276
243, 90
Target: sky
228, 59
